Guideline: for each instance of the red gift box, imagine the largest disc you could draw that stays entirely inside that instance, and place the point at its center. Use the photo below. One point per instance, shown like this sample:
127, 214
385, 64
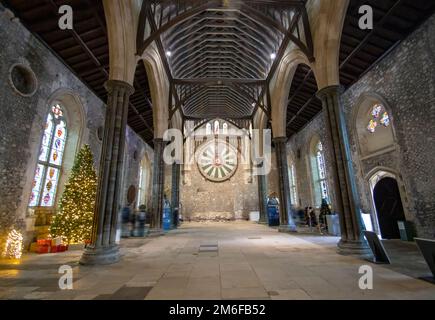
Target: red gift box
44, 242
54, 249
43, 249
62, 248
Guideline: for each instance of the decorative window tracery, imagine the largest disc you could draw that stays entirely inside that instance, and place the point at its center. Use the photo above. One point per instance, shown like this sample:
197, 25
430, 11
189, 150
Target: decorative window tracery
321, 167
378, 116
293, 188
51, 154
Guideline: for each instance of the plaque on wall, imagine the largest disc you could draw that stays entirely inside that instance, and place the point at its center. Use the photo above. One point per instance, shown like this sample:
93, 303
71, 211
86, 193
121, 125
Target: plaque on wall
217, 161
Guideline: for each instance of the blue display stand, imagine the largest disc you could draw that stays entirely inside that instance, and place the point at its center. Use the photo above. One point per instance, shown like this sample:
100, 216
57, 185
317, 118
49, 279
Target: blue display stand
167, 218
273, 212
125, 222
139, 226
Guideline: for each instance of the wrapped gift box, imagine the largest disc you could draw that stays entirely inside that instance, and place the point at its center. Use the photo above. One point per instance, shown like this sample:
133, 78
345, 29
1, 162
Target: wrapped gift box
56, 241
43, 249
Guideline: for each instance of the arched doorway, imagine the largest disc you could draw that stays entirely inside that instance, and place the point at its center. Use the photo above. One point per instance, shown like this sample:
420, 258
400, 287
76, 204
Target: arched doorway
389, 207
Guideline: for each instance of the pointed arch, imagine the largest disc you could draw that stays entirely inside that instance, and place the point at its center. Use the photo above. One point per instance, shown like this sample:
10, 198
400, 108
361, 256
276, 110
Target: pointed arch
374, 132
280, 88
318, 170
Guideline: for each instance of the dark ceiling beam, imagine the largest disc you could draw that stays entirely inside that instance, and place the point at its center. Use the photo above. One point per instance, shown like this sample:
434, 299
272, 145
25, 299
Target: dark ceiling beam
223, 41
208, 118
229, 67
156, 33
215, 97
219, 81
371, 33
162, 53
282, 49
255, 48
232, 58
288, 33
212, 56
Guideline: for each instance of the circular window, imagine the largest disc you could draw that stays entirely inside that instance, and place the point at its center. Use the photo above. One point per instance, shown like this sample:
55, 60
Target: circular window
23, 80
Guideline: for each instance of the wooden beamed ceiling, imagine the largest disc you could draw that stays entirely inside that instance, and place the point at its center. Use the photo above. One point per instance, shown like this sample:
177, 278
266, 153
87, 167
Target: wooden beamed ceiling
360, 50
221, 55
85, 51
219, 63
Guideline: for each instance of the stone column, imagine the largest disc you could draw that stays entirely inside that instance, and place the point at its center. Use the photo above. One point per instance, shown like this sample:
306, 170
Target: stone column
285, 213
262, 198
103, 248
346, 195
158, 187
175, 197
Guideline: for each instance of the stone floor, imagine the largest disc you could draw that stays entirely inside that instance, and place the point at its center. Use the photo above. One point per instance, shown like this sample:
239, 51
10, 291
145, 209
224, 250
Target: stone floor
238, 260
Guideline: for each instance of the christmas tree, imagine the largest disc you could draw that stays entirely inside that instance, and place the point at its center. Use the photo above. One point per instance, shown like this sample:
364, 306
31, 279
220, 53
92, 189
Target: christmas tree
73, 223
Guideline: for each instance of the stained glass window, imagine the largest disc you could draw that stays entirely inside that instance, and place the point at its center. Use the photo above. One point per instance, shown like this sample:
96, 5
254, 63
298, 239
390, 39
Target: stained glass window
378, 116
225, 128
51, 154
321, 167
208, 129
216, 127
293, 189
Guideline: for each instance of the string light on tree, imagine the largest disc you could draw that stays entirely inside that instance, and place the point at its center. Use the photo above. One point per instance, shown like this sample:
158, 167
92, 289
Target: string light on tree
73, 223
14, 245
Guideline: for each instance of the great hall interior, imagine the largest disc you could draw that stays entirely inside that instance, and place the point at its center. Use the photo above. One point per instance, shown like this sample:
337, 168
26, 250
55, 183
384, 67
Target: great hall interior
217, 149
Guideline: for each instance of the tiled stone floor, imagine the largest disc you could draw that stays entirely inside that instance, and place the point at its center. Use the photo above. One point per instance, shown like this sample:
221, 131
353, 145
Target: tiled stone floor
237, 260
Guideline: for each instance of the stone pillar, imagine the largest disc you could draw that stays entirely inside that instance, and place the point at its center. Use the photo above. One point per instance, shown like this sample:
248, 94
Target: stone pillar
175, 197
346, 195
158, 187
285, 213
262, 198
103, 248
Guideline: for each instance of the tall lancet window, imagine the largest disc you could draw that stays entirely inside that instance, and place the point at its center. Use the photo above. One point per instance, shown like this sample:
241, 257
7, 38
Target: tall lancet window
208, 129
293, 187
225, 128
216, 129
320, 157
45, 183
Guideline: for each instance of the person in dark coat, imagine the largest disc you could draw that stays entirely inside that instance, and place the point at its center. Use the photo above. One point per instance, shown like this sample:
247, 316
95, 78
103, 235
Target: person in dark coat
313, 218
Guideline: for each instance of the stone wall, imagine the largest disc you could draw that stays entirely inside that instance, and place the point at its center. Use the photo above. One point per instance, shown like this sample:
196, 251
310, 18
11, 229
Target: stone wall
202, 199
22, 119
136, 150
299, 151
405, 81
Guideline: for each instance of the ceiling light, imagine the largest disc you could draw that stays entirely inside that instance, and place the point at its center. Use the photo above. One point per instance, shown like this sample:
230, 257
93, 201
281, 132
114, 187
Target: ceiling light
168, 53
273, 56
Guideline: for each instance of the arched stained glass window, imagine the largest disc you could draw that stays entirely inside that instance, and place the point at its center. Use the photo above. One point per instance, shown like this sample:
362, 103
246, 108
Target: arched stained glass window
378, 117
216, 128
144, 181
50, 159
225, 128
208, 129
293, 188
320, 158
